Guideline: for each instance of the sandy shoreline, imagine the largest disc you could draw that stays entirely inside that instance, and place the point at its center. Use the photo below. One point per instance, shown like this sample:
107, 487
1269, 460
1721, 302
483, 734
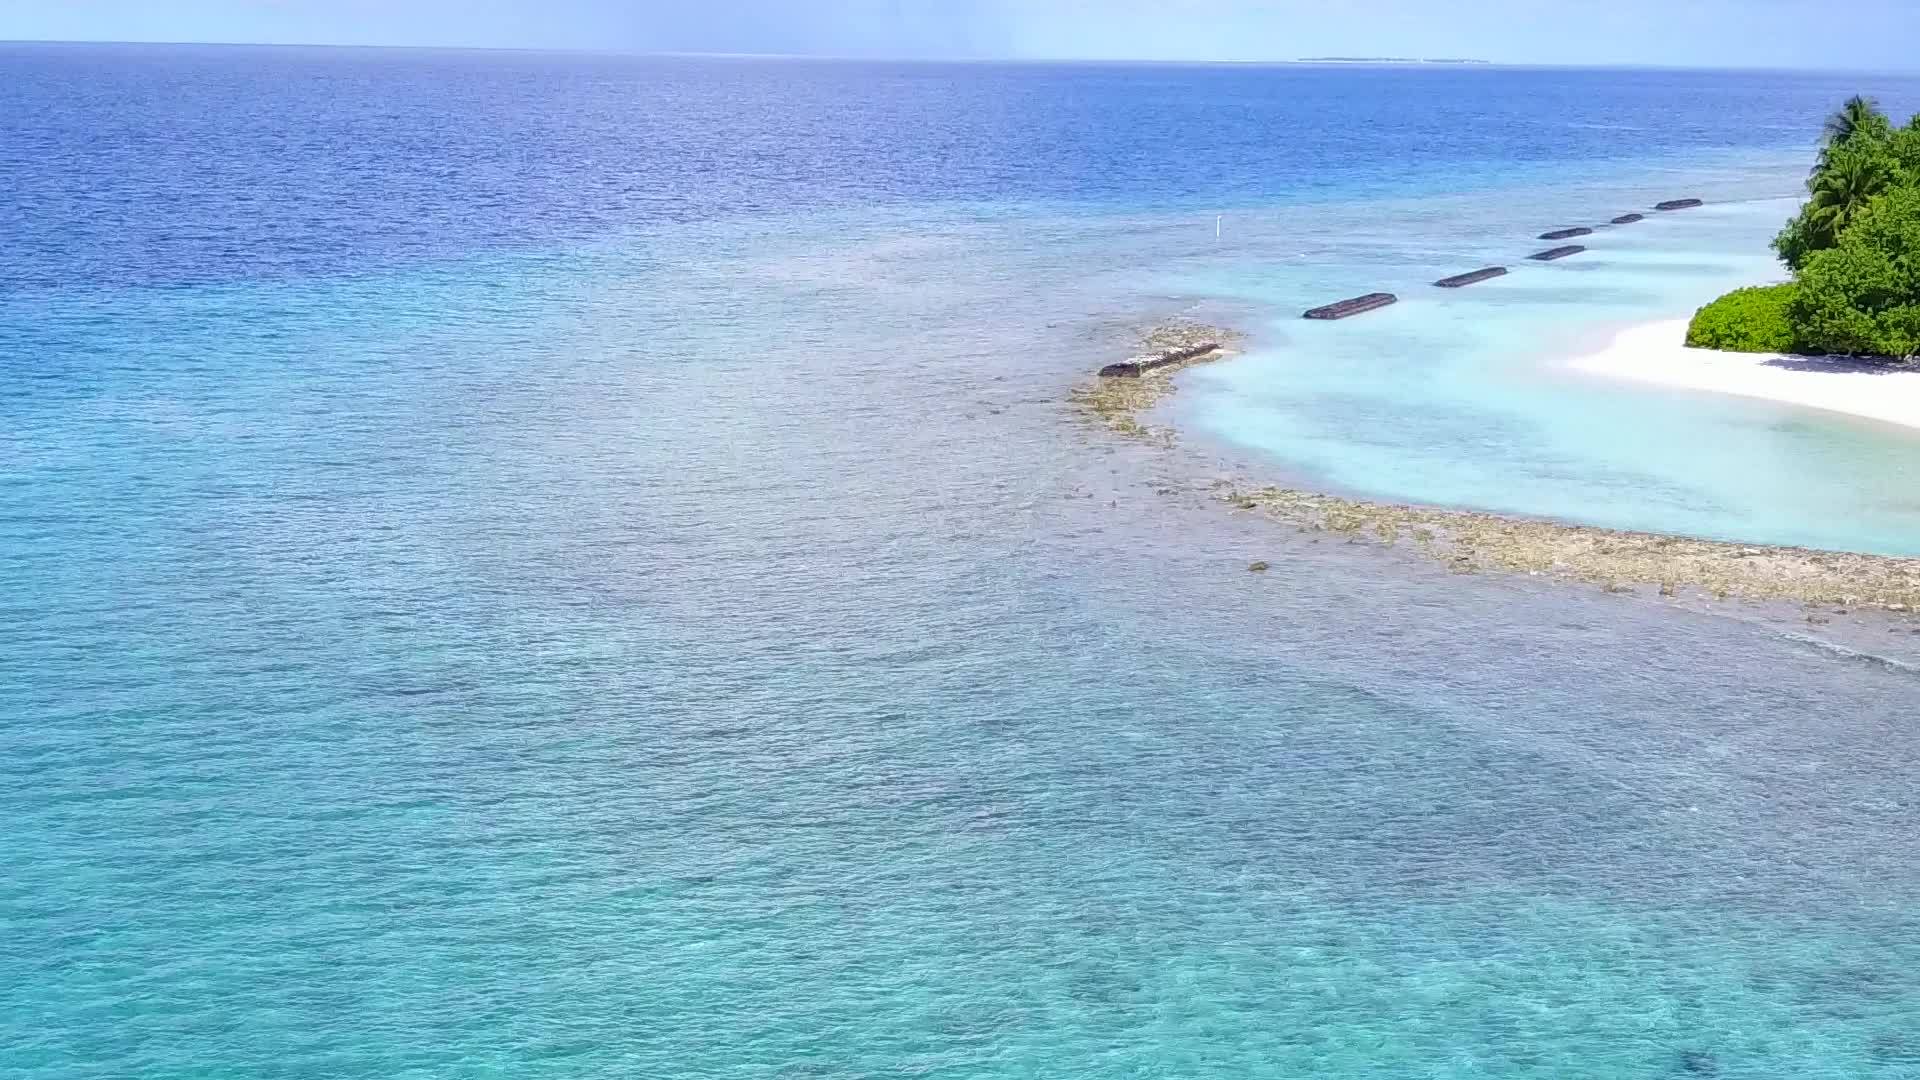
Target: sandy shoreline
1656, 353
1472, 541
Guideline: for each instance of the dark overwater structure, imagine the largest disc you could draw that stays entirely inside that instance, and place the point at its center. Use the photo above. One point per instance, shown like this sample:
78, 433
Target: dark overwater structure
1566, 234
1348, 308
1140, 365
1461, 280
1678, 204
1628, 219
1551, 254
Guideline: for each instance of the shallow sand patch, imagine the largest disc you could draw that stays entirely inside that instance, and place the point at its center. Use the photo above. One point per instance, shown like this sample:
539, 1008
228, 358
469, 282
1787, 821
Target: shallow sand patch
1118, 403
1473, 541
1470, 541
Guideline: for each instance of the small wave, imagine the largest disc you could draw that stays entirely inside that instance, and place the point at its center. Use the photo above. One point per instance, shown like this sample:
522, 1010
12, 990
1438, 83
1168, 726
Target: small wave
1886, 663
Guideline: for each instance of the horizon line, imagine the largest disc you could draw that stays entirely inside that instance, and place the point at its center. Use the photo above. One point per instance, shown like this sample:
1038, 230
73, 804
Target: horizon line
1297, 61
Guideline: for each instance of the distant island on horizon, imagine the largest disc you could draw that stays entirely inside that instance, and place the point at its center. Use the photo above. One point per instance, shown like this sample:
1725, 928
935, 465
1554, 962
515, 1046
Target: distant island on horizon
1384, 60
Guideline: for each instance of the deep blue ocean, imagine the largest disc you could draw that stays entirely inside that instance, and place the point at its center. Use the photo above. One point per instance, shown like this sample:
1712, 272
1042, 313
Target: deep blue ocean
526, 565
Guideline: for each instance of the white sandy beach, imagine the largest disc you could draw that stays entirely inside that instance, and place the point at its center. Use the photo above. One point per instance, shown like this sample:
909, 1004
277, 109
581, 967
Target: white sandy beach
1657, 353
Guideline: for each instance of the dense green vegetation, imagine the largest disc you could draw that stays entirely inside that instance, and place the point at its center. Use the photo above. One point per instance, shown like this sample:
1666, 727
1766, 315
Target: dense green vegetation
1854, 248
1747, 320
1862, 296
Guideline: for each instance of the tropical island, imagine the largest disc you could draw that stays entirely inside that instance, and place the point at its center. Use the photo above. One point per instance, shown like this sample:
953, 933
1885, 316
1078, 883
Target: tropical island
1853, 250
1841, 333
1385, 60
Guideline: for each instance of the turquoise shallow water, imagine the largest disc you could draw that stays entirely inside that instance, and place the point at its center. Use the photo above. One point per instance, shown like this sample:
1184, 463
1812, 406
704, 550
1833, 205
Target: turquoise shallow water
1458, 398
624, 712
709, 648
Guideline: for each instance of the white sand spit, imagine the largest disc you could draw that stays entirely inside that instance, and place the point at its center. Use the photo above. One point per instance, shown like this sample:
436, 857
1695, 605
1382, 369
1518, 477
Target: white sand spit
1657, 353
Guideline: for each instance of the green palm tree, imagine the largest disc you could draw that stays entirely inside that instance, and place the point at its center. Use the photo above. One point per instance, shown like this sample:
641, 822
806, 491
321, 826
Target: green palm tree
1857, 115
1840, 191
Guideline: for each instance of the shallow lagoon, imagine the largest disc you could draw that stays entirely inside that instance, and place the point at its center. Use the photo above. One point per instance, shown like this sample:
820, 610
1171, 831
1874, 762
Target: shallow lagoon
560, 643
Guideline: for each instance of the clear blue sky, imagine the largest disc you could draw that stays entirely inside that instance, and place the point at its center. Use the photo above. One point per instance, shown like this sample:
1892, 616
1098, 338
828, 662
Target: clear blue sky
1785, 33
